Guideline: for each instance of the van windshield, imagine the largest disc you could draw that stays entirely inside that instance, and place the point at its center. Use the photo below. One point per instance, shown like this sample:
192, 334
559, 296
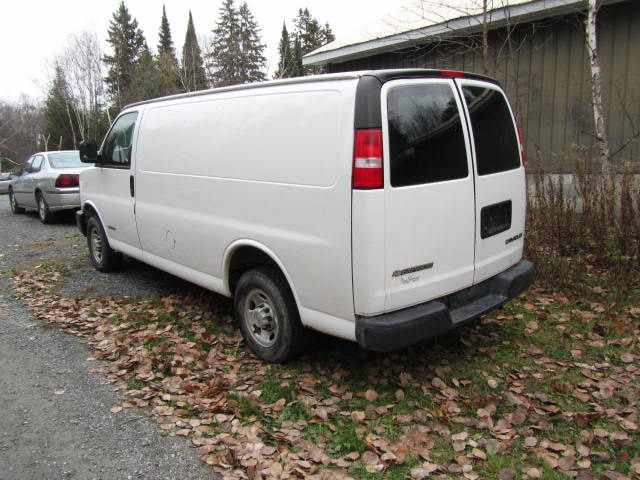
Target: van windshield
65, 160
494, 133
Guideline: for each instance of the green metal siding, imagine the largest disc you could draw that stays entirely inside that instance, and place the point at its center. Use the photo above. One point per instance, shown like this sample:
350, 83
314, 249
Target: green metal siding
546, 75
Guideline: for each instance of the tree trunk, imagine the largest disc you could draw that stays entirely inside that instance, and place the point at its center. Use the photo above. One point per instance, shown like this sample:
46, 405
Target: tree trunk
600, 127
485, 38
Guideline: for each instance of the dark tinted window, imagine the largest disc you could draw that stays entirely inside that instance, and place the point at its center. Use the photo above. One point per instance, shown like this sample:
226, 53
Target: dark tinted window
493, 131
425, 135
117, 147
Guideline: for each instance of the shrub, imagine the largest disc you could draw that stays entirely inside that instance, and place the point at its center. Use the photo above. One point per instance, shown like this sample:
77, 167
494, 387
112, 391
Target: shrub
585, 229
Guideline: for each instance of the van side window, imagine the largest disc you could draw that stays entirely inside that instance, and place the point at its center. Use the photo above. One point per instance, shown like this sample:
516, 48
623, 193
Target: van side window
426, 139
494, 133
116, 150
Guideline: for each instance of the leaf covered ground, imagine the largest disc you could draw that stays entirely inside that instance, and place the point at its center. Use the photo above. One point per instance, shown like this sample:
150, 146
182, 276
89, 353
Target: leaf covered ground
546, 388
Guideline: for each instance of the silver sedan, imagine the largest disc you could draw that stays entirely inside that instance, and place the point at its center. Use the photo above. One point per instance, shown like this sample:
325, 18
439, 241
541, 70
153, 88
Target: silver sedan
5, 180
49, 183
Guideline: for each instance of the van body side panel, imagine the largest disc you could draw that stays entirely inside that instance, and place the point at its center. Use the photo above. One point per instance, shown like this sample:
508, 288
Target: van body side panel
368, 251
270, 165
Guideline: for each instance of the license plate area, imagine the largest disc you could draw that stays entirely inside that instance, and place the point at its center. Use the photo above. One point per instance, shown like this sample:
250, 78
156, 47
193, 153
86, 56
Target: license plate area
495, 219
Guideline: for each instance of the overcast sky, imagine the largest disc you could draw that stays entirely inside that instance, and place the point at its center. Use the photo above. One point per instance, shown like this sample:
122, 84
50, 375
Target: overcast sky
33, 32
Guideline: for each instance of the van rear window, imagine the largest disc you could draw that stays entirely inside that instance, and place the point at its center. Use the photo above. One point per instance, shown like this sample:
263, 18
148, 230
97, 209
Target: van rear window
426, 140
494, 133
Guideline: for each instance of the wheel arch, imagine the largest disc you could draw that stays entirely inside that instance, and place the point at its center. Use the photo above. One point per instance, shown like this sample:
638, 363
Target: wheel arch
90, 208
241, 255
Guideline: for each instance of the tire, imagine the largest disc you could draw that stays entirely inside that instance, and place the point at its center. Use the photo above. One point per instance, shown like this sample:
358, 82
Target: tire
263, 296
45, 215
102, 256
13, 203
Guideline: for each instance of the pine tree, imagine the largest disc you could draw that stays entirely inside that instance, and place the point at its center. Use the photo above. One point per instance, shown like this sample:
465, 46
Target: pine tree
252, 59
127, 43
147, 82
192, 73
165, 45
310, 35
285, 67
327, 33
225, 47
297, 69
167, 61
309, 30
59, 117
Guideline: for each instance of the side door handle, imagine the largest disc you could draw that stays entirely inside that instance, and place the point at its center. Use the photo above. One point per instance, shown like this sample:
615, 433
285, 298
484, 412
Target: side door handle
132, 188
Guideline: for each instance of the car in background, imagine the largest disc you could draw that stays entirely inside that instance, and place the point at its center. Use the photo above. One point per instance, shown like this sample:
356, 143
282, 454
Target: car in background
50, 183
5, 180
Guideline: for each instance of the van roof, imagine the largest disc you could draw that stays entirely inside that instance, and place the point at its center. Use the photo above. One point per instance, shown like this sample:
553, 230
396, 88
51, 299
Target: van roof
382, 75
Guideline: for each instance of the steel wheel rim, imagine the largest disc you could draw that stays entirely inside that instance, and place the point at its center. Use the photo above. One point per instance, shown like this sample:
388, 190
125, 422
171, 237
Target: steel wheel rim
41, 208
96, 245
261, 318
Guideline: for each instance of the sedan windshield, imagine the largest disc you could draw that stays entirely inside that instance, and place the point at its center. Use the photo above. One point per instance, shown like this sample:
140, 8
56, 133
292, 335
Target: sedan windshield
65, 160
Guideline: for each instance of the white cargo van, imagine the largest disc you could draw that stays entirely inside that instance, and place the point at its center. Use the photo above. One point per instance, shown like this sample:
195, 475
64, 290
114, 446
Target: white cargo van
383, 207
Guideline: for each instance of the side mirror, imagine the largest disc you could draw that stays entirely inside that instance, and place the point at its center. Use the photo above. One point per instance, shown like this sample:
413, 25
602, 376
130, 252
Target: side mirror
88, 152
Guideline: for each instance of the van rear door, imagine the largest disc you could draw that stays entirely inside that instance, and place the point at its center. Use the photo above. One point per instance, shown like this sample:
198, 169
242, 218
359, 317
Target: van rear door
500, 178
429, 192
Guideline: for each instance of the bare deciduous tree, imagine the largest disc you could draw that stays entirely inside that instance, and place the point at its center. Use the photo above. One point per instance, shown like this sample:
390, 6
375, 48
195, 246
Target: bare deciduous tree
600, 127
82, 65
20, 129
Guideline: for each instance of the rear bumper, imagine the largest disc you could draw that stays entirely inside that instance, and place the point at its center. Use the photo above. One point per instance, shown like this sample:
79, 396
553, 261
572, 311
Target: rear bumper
395, 330
63, 200
81, 222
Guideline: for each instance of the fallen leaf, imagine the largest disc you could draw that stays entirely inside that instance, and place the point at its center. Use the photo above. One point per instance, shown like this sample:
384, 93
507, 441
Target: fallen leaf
358, 415
506, 474
534, 473
371, 395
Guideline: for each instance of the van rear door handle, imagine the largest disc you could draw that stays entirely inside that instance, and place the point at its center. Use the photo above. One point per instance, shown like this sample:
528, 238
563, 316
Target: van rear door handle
132, 189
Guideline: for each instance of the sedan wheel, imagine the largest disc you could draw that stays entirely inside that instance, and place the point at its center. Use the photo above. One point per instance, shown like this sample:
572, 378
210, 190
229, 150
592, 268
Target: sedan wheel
43, 210
15, 208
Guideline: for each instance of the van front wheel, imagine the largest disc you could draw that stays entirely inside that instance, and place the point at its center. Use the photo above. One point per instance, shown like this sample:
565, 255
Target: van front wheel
268, 315
102, 256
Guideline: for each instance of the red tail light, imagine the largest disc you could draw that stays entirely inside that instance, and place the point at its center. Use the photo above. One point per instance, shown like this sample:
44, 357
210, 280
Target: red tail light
367, 159
451, 73
68, 180
523, 154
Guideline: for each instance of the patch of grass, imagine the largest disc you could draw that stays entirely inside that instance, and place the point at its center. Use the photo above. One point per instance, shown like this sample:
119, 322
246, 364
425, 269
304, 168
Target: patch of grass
345, 439
391, 428
442, 452
135, 384
245, 407
272, 390
151, 343
495, 463
295, 411
393, 472
316, 432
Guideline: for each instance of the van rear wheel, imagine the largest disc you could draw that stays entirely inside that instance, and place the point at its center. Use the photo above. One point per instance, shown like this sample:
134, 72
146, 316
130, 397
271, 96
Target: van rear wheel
268, 315
102, 256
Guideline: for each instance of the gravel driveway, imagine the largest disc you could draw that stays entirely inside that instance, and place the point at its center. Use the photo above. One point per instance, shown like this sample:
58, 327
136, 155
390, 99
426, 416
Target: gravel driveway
55, 421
